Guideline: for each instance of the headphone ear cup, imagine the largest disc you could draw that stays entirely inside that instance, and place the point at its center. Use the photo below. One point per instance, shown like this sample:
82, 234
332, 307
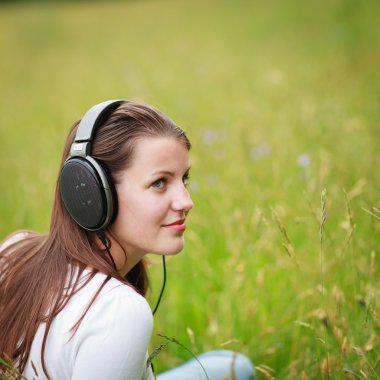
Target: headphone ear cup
87, 193
112, 192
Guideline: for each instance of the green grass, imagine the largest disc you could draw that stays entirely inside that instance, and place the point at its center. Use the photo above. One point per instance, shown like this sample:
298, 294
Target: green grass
281, 100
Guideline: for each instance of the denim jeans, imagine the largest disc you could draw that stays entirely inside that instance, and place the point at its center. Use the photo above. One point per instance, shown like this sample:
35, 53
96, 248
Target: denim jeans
218, 365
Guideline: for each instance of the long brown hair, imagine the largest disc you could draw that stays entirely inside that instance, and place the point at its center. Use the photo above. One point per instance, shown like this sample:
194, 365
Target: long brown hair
36, 272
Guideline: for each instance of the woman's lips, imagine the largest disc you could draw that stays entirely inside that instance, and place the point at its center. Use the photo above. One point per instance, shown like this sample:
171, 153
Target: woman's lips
178, 225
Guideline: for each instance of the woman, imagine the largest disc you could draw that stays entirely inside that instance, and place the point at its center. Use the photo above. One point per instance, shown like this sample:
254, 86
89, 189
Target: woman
72, 301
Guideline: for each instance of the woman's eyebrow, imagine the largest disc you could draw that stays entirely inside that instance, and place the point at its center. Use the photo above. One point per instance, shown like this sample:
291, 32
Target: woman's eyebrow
167, 172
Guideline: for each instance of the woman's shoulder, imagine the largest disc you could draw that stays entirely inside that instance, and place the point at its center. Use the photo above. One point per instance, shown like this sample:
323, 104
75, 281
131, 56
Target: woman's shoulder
114, 297
123, 299
14, 238
112, 287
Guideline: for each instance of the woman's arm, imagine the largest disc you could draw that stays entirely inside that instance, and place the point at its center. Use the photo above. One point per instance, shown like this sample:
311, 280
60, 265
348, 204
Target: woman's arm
112, 340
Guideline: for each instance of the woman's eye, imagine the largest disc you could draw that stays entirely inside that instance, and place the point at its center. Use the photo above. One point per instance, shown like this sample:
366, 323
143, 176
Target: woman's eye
159, 184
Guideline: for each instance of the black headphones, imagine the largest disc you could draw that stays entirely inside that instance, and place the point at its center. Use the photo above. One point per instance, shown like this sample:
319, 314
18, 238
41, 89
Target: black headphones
86, 188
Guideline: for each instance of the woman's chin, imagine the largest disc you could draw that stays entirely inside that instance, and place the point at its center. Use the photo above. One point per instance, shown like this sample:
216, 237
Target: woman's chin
169, 250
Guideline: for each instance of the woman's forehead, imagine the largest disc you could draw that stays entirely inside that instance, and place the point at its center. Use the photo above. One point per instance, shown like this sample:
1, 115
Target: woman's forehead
159, 153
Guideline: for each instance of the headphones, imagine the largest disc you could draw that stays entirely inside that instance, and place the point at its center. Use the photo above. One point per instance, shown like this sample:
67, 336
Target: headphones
87, 190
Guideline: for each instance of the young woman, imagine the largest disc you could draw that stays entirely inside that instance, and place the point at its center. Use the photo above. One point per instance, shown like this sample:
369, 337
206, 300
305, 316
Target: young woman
72, 301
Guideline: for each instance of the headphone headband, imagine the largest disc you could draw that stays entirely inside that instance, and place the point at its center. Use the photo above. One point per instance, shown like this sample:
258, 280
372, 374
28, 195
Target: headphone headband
92, 118
87, 126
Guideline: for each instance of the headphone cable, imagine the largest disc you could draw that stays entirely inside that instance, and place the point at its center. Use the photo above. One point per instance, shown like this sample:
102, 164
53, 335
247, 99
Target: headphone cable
163, 285
103, 239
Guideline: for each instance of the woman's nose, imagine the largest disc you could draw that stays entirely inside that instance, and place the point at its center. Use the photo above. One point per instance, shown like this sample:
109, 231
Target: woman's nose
183, 201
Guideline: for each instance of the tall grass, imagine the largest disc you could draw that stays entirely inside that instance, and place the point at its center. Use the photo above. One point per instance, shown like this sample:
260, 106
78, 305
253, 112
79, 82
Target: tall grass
281, 101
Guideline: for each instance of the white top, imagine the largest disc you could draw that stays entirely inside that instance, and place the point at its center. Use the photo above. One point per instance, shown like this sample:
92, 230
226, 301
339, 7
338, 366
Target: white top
111, 342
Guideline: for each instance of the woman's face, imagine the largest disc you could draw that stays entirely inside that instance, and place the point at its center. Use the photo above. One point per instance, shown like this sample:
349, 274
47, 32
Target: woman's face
153, 199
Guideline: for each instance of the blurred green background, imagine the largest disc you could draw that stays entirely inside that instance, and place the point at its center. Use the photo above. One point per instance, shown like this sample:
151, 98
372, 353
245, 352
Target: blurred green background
280, 100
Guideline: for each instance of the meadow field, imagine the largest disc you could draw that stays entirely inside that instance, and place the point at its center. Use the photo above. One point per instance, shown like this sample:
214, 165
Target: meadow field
281, 102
